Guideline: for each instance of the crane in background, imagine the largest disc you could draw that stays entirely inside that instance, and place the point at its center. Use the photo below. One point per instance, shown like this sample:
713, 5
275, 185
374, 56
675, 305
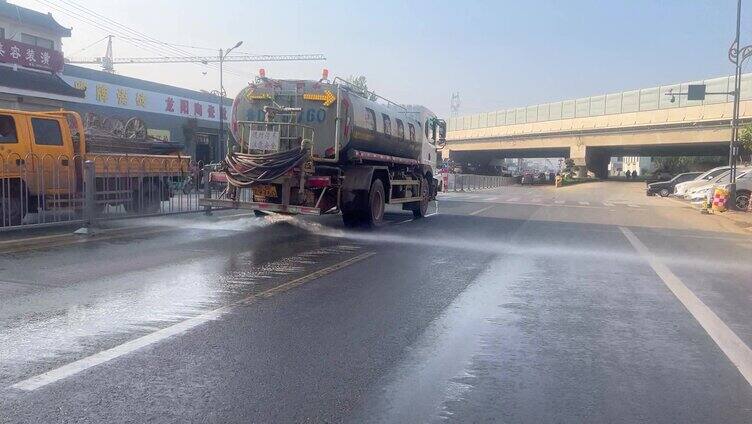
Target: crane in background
108, 62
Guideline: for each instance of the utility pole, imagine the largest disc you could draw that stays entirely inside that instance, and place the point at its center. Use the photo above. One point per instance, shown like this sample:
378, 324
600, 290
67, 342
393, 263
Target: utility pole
222, 56
454, 104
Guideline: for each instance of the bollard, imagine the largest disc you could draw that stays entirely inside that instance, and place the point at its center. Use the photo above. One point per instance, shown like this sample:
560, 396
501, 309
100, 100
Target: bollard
89, 207
207, 189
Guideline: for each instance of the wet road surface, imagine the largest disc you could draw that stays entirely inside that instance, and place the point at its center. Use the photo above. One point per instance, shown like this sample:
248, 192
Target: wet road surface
488, 311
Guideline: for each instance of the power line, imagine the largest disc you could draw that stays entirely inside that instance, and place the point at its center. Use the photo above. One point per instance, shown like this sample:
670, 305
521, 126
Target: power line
131, 30
176, 45
90, 45
108, 29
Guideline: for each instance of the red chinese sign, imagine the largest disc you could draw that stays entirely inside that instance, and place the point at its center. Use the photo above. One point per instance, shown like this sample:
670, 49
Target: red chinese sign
30, 56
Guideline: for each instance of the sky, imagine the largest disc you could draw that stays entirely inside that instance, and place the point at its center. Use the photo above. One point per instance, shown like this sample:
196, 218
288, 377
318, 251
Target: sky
495, 54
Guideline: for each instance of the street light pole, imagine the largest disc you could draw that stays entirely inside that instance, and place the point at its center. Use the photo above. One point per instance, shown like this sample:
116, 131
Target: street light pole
222, 55
735, 58
221, 102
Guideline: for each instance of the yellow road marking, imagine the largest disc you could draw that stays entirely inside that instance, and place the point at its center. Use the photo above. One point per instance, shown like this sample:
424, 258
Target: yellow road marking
305, 279
68, 370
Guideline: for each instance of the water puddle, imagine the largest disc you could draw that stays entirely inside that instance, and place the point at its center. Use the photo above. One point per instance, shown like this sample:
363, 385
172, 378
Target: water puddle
437, 364
46, 325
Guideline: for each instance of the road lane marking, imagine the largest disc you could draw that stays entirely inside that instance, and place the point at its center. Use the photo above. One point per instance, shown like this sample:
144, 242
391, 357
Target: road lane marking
482, 210
632, 205
513, 199
737, 352
559, 202
609, 204
83, 364
77, 240
584, 203
57, 240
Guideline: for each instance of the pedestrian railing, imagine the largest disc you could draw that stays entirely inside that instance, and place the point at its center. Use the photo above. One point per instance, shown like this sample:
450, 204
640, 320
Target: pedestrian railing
46, 190
470, 182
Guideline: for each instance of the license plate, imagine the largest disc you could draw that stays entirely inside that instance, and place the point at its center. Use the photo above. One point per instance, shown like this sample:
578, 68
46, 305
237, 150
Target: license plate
265, 191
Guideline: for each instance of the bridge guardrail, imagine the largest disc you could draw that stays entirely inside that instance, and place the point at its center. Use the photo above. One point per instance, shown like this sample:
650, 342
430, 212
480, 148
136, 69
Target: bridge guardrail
472, 182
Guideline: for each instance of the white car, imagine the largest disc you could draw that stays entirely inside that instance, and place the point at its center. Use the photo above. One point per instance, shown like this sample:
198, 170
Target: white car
681, 188
743, 190
706, 191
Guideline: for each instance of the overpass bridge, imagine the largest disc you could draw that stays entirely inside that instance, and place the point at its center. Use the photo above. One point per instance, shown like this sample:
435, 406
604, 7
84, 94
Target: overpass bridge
590, 130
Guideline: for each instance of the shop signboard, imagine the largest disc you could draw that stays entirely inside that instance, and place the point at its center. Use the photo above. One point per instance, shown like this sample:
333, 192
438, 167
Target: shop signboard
30, 56
130, 98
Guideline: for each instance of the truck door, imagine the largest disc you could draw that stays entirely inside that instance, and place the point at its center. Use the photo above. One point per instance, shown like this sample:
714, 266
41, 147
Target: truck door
52, 148
14, 146
14, 149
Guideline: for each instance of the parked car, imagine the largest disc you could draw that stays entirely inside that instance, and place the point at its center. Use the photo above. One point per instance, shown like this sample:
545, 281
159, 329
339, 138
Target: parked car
681, 188
665, 188
743, 190
706, 190
659, 176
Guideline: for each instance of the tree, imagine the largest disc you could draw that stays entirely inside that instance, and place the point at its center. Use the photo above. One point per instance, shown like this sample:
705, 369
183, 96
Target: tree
361, 84
569, 166
745, 140
672, 164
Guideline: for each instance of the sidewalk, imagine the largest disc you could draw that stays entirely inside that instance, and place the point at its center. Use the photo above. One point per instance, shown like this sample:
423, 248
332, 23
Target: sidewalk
740, 219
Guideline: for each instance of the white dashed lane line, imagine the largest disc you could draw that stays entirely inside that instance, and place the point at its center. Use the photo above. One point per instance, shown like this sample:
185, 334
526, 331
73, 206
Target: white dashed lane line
735, 349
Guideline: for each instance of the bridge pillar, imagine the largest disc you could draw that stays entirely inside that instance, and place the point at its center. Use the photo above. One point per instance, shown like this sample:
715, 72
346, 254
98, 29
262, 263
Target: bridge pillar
578, 154
595, 161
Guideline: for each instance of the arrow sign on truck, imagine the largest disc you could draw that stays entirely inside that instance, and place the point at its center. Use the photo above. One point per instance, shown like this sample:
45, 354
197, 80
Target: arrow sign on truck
326, 97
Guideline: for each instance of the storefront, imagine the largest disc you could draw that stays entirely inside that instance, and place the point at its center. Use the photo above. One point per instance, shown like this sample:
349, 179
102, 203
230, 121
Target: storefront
169, 113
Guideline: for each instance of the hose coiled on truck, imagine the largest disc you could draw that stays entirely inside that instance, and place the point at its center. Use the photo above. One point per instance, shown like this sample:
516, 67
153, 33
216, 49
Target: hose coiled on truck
244, 169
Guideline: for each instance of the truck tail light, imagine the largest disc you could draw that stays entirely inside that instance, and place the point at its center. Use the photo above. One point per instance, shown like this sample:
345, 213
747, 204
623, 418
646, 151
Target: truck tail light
318, 182
329, 152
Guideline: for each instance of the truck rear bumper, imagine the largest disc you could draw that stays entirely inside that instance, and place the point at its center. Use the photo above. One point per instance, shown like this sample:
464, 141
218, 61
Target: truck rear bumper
271, 207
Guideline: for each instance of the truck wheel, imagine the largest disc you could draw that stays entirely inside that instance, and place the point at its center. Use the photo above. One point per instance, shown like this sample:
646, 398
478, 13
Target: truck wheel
376, 204
419, 211
351, 219
11, 211
259, 213
742, 200
664, 192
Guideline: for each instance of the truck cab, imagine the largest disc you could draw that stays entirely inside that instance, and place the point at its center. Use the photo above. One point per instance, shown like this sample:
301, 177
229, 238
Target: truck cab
36, 154
42, 157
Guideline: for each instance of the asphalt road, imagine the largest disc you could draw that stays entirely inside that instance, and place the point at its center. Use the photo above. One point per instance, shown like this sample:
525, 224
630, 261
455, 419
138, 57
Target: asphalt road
585, 304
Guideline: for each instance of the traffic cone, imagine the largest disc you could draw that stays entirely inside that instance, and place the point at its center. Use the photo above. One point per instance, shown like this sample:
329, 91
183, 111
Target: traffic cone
705, 207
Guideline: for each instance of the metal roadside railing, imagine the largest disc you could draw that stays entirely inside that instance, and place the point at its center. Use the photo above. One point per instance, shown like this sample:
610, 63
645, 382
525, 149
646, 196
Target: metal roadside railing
40, 191
471, 182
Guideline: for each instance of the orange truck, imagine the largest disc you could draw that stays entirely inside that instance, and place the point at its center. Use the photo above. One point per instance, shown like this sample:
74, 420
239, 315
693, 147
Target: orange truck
42, 161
